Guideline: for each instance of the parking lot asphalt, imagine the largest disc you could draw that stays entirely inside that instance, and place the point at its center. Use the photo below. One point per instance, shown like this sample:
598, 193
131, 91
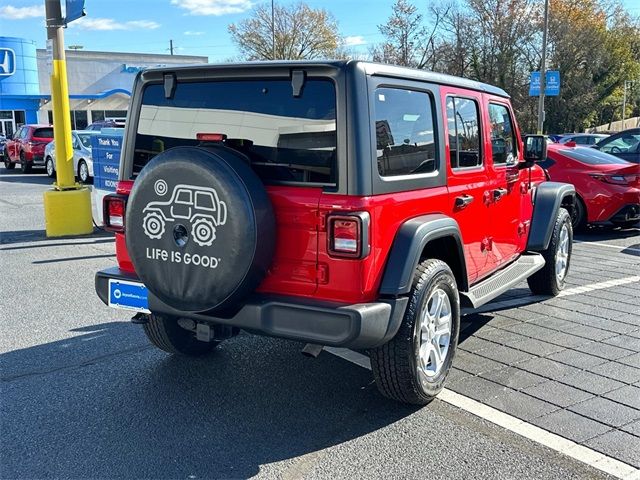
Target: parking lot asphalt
83, 394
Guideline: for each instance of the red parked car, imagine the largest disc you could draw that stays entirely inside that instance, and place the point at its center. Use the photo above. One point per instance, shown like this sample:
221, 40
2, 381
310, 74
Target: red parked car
26, 147
607, 187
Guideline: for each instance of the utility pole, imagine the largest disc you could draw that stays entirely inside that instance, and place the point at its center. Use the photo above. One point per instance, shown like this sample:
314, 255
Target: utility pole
543, 69
67, 207
273, 31
624, 101
171, 46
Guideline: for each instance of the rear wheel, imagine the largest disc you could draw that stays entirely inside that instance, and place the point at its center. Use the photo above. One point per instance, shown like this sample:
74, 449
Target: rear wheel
412, 367
165, 333
83, 172
25, 167
51, 171
579, 215
551, 279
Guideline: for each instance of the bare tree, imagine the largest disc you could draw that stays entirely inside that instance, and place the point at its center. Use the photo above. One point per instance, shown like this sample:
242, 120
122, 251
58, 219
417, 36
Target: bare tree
299, 32
408, 41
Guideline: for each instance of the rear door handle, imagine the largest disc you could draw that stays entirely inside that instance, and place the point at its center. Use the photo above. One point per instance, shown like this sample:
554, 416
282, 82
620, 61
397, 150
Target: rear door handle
463, 200
499, 193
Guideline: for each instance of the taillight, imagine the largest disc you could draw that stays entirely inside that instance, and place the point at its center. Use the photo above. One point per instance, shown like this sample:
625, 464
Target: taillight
348, 235
113, 209
615, 179
211, 137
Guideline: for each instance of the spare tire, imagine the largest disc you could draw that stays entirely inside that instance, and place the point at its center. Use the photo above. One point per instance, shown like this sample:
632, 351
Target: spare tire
200, 228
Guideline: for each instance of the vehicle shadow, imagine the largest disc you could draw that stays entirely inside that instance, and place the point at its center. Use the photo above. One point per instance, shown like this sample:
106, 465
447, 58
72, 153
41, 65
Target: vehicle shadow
105, 404
15, 176
27, 236
603, 233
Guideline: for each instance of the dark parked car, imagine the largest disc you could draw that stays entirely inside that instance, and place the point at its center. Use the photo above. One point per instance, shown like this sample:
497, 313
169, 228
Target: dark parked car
625, 145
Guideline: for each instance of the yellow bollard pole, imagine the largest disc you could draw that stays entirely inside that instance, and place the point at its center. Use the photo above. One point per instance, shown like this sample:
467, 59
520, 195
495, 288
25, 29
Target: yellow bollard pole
67, 207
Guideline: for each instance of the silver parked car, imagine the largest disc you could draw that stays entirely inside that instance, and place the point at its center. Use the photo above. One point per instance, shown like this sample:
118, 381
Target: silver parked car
82, 159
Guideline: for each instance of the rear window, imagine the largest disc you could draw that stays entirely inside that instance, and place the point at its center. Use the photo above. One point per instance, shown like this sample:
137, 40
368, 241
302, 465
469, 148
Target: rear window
43, 132
287, 139
591, 156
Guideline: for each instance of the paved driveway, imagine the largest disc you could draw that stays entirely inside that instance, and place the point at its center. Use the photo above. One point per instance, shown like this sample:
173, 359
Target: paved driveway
83, 395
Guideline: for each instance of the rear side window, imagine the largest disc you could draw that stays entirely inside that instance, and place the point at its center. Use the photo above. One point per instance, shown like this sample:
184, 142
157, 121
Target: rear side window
464, 132
287, 139
43, 132
591, 156
405, 141
503, 139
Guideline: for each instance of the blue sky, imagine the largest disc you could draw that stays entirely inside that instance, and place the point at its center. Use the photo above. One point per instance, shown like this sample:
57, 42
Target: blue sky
197, 27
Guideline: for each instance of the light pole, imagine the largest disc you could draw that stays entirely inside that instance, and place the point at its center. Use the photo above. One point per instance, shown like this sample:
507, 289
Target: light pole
624, 101
543, 69
67, 207
273, 31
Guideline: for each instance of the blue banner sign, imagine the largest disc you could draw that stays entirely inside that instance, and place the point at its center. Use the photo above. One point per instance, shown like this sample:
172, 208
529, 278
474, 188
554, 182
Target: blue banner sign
105, 150
551, 84
75, 10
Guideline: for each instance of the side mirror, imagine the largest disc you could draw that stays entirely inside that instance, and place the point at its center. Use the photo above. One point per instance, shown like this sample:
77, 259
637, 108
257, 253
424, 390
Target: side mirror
535, 148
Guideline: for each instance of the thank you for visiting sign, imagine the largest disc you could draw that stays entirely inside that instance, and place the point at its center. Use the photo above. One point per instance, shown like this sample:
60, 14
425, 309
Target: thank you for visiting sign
551, 84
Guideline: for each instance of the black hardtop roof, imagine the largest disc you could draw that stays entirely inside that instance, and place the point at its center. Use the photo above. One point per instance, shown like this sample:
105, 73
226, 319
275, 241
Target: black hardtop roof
370, 68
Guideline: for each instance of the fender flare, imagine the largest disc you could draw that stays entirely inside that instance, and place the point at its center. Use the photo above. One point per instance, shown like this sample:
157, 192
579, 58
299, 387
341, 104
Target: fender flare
548, 199
407, 249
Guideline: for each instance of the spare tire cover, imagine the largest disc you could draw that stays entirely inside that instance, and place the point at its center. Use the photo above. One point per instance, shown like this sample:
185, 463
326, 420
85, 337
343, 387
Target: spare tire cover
200, 229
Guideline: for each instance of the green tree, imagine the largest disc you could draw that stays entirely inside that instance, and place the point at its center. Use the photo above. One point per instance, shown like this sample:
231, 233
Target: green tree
300, 32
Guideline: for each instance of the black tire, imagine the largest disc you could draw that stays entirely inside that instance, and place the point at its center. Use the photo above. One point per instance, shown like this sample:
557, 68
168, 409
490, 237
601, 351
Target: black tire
395, 364
165, 333
25, 167
545, 281
50, 169
7, 164
579, 216
83, 177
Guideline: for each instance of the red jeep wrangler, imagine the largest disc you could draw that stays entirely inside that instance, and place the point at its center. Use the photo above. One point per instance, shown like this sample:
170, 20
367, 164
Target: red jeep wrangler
335, 203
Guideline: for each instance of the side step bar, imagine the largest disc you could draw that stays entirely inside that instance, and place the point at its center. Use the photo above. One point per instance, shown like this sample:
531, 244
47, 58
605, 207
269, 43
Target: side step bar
503, 280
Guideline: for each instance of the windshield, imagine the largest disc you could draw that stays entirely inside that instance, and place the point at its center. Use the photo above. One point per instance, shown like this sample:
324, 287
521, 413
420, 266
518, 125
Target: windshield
85, 139
591, 156
286, 138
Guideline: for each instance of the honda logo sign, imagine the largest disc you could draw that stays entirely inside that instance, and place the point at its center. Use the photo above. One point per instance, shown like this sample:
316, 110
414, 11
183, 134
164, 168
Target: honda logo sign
7, 62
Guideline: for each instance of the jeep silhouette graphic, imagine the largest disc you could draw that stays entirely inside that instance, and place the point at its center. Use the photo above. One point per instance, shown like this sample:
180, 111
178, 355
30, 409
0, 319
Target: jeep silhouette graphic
199, 206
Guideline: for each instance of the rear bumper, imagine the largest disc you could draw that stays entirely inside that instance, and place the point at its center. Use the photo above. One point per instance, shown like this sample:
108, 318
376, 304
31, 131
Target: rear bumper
628, 213
362, 325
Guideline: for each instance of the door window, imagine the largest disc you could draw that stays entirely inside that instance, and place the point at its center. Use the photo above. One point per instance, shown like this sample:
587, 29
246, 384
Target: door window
405, 141
463, 121
503, 140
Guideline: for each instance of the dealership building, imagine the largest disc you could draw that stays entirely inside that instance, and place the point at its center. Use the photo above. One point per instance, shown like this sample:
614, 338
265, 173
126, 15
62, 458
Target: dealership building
100, 83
